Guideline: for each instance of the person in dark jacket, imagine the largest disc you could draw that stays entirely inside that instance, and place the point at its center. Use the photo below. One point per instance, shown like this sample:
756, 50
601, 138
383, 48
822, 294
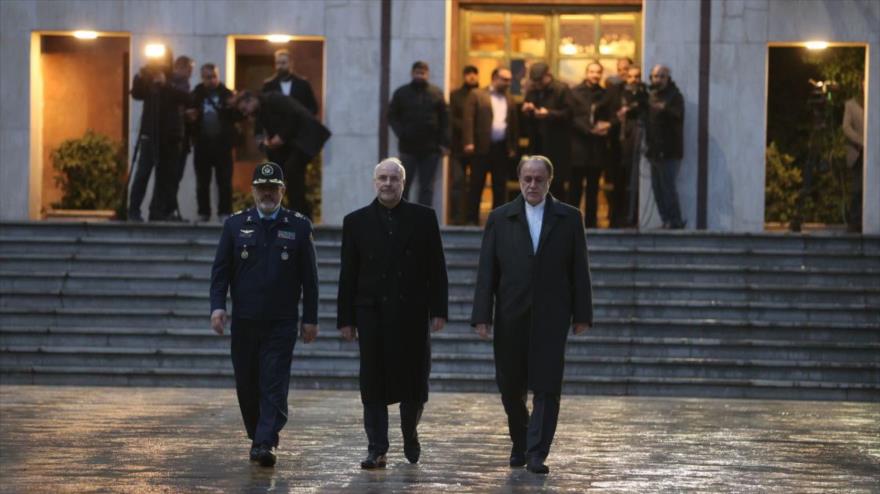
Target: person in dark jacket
490, 131
160, 141
547, 113
392, 288
265, 259
180, 76
634, 101
213, 133
291, 133
664, 130
590, 156
419, 118
289, 84
459, 161
533, 284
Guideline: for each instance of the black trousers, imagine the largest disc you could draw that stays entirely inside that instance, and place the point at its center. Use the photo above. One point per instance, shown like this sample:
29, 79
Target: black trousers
163, 156
591, 174
618, 200
261, 356
294, 163
497, 162
854, 214
210, 155
423, 167
533, 434
376, 424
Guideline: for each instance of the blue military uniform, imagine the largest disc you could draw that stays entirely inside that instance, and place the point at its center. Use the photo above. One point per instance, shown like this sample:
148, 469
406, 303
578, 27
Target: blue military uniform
267, 262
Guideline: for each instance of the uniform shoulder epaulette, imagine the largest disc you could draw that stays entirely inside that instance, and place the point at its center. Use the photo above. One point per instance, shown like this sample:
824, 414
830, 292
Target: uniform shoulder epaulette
238, 212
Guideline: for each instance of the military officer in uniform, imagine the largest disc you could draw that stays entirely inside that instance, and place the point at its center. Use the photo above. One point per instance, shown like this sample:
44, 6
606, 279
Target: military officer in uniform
266, 258
392, 288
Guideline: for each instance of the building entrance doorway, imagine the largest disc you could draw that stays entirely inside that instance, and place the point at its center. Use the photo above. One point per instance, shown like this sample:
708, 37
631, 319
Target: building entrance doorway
250, 63
79, 97
815, 137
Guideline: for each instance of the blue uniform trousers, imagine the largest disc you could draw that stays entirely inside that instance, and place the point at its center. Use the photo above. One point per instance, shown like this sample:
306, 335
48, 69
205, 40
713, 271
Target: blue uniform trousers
261, 355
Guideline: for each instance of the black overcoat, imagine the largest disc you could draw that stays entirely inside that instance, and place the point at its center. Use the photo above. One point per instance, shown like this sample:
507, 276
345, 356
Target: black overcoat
390, 285
541, 293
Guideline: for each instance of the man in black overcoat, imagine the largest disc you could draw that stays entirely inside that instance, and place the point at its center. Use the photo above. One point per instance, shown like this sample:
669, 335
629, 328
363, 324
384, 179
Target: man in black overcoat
547, 113
533, 284
392, 288
292, 137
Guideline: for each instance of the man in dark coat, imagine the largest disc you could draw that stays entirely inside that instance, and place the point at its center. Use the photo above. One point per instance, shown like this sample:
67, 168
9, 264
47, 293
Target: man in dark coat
589, 154
533, 282
664, 139
265, 260
420, 120
292, 138
161, 140
490, 131
460, 162
392, 288
213, 133
634, 100
288, 84
547, 115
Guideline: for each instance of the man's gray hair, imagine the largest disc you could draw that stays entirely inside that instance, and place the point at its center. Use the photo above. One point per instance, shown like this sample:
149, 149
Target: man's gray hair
393, 160
536, 158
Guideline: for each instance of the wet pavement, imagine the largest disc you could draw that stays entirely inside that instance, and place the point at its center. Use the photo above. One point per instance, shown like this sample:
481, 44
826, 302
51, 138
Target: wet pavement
81, 439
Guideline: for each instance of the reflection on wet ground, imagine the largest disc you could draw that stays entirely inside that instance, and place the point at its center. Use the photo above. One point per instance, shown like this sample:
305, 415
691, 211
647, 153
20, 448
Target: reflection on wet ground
75, 439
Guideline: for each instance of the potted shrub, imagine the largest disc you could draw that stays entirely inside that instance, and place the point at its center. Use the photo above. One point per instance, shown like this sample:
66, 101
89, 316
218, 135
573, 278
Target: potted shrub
90, 172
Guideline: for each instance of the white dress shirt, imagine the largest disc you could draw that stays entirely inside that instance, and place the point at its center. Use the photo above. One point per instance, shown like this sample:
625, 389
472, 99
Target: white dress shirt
285, 87
499, 115
535, 218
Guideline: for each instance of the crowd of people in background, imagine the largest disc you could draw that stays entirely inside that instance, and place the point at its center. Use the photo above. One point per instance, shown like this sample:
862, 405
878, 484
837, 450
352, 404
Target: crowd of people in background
176, 120
594, 133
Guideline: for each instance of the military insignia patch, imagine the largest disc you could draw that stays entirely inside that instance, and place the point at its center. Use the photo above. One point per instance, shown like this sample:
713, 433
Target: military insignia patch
287, 234
267, 170
245, 233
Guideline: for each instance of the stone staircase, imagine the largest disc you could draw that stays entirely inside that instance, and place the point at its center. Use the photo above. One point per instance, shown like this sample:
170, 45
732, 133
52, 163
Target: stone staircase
677, 313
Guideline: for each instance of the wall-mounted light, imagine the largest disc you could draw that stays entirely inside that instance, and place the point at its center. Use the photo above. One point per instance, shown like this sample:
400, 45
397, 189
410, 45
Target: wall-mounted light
278, 38
816, 45
154, 50
85, 34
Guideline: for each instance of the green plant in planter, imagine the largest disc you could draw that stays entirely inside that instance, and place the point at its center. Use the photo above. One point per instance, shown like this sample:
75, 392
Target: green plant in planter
782, 186
90, 171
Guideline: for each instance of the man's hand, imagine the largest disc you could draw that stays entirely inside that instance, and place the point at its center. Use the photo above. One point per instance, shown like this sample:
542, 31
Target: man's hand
528, 107
658, 105
218, 320
581, 327
469, 149
275, 142
621, 113
437, 323
349, 333
541, 113
308, 332
483, 330
192, 114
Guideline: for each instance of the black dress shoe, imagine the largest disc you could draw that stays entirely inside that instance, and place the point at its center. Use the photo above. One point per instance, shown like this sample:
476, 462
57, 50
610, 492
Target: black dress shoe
412, 450
255, 450
537, 466
517, 459
373, 461
266, 456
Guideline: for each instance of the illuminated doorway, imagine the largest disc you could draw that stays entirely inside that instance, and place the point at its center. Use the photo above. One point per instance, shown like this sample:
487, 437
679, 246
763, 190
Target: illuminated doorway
79, 84
250, 62
567, 38
813, 167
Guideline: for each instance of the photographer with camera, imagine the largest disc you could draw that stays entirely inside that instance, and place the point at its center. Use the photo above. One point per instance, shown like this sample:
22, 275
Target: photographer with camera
160, 141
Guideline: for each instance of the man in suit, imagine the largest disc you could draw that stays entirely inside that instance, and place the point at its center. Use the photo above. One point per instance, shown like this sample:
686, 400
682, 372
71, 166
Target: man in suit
547, 113
266, 259
589, 150
533, 282
392, 288
292, 137
489, 133
288, 84
459, 162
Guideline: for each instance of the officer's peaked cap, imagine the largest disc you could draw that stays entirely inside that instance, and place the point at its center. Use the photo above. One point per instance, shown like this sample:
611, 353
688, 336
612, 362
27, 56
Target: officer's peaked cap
268, 173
